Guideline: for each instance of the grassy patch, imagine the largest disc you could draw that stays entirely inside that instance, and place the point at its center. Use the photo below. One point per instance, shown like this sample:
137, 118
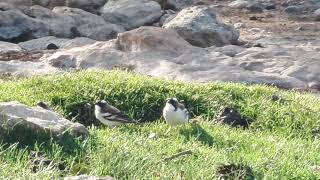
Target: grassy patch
280, 143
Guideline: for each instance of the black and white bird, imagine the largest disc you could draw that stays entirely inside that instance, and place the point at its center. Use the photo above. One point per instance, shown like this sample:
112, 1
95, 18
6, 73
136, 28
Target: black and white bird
175, 113
110, 115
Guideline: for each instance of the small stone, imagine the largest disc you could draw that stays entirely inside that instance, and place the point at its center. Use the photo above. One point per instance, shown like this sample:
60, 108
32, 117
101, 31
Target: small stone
239, 25
152, 135
270, 7
253, 18
52, 46
314, 85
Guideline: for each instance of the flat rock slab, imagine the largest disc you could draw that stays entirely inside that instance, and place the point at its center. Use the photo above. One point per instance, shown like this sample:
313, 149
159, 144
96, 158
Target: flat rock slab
35, 122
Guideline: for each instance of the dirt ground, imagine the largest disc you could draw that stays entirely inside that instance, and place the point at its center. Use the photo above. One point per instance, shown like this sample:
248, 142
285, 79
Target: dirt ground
273, 23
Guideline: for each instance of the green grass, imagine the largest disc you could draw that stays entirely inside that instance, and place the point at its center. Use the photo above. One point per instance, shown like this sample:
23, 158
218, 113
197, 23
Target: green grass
281, 143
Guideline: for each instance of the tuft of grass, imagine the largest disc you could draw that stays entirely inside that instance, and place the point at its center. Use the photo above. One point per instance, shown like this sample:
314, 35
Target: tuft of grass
281, 142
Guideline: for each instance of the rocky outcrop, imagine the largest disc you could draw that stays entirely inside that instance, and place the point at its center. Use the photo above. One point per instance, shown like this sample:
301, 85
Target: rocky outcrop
131, 14
59, 25
89, 25
161, 52
16, 26
199, 26
20, 120
87, 5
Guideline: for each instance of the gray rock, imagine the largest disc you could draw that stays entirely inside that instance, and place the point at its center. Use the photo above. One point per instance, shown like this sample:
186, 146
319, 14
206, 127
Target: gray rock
59, 25
162, 53
18, 2
87, 5
19, 118
250, 5
9, 47
131, 14
317, 14
198, 25
16, 27
90, 25
144, 40
298, 9
42, 43
177, 4
284, 62
239, 4
166, 17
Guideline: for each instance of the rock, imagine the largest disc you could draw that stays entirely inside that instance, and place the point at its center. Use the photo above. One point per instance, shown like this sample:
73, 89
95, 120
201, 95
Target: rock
165, 18
16, 27
58, 24
87, 5
229, 50
52, 46
86, 177
283, 62
255, 8
131, 14
294, 9
239, 25
18, 2
198, 25
9, 47
50, 3
36, 123
314, 85
90, 25
270, 6
42, 43
148, 39
317, 14
62, 62
239, 4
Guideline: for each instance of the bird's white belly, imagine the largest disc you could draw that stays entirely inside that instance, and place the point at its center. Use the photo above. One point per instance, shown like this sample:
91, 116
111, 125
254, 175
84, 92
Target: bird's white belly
174, 118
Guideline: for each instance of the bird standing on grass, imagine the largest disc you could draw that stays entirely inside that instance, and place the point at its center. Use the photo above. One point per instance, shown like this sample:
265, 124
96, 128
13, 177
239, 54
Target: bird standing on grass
175, 113
110, 115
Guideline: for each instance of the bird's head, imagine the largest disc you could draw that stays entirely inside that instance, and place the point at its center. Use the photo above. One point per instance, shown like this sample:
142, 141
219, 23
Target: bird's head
173, 101
101, 104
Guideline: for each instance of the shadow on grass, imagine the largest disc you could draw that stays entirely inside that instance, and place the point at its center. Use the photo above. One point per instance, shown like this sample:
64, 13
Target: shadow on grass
197, 132
29, 138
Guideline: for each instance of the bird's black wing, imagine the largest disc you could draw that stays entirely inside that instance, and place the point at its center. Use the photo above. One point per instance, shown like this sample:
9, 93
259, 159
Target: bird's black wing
114, 114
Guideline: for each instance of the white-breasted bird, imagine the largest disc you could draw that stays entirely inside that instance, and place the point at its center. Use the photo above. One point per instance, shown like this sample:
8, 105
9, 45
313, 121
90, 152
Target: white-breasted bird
110, 115
175, 113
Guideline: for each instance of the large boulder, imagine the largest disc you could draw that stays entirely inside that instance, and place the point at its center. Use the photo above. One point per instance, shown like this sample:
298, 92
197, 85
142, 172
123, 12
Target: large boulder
87, 5
162, 53
18, 2
199, 26
148, 39
26, 123
59, 25
89, 25
131, 14
16, 26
